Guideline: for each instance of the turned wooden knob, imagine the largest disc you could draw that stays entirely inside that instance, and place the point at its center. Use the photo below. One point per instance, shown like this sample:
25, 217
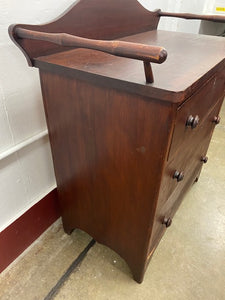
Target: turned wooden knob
167, 222
192, 121
216, 120
204, 159
178, 175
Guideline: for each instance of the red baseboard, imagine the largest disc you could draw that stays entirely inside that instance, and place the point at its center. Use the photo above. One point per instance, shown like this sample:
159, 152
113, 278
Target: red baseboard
27, 228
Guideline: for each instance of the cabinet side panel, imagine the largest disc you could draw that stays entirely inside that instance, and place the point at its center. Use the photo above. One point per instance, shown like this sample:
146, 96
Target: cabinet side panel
109, 149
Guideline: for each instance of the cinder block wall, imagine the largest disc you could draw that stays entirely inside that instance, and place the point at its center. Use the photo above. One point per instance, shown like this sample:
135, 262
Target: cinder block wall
26, 176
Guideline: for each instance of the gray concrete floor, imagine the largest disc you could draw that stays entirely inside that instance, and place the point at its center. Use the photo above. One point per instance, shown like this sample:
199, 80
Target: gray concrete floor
189, 262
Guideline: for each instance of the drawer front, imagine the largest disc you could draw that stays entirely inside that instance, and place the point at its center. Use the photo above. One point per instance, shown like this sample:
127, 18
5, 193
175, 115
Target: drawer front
189, 161
165, 213
192, 152
166, 205
193, 112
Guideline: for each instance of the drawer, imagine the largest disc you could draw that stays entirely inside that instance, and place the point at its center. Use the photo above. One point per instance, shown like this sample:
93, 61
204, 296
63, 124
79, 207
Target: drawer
191, 115
165, 213
191, 153
166, 209
187, 160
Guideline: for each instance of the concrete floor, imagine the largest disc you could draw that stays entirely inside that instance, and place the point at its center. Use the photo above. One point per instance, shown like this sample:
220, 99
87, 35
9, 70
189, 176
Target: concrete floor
189, 262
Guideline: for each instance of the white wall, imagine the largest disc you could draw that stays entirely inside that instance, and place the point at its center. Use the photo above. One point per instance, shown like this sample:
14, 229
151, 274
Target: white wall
27, 175
209, 27
188, 6
174, 24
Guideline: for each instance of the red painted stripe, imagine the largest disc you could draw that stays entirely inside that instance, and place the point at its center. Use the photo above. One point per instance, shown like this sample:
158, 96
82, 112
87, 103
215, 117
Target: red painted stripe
27, 228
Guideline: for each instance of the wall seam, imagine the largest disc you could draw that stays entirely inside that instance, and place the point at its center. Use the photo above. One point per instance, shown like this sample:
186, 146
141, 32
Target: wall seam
6, 113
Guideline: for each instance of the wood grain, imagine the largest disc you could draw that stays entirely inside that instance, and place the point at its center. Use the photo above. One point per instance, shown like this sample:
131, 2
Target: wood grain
192, 60
100, 139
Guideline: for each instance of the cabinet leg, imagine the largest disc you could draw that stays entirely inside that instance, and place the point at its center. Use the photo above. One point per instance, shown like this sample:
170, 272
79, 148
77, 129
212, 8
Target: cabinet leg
138, 270
196, 179
68, 229
138, 277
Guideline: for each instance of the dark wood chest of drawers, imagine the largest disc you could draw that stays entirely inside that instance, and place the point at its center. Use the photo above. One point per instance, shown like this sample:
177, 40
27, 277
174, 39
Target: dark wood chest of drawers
126, 151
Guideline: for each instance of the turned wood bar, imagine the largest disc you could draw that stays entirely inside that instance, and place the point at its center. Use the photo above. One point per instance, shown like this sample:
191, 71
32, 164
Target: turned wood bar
211, 18
126, 148
119, 48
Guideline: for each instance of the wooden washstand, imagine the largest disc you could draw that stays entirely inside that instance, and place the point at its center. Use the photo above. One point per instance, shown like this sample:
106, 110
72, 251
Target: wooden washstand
126, 145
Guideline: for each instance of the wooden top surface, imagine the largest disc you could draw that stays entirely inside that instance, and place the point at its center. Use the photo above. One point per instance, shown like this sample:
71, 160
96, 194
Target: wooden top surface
192, 59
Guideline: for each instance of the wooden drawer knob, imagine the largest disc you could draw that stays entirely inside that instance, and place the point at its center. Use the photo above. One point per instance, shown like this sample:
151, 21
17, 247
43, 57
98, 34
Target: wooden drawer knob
167, 222
216, 120
192, 121
204, 159
178, 175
